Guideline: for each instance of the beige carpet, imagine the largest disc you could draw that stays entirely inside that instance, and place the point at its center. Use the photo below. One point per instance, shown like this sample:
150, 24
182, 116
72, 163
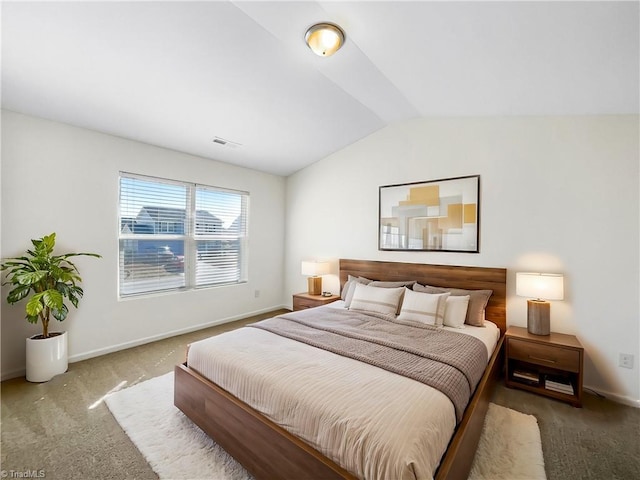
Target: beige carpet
175, 448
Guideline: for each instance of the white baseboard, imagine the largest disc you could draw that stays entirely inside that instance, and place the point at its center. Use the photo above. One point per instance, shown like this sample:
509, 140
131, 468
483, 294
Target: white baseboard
21, 372
614, 397
154, 338
622, 399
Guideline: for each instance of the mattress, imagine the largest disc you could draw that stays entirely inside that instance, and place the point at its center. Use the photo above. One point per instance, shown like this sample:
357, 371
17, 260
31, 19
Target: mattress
374, 423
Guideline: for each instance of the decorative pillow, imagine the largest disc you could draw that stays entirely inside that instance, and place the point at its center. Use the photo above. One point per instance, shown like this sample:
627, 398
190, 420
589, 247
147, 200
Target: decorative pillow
478, 300
423, 308
375, 299
349, 288
404, 283
455, 312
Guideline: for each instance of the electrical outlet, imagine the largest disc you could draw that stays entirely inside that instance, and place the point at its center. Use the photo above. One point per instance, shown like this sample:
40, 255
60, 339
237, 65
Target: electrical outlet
256, 294
626, 360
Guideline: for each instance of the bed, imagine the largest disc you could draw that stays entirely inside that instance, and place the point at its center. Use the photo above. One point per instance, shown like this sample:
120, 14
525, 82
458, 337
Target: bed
269, 449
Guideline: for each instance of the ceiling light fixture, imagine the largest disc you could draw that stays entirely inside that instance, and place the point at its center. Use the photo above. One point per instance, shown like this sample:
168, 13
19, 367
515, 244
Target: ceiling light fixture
324, 39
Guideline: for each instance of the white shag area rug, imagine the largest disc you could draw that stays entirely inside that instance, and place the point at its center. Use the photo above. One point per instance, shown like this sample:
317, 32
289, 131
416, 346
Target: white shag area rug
509, 448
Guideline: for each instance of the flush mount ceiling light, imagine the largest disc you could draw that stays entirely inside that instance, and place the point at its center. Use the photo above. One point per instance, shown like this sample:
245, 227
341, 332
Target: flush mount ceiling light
324, 39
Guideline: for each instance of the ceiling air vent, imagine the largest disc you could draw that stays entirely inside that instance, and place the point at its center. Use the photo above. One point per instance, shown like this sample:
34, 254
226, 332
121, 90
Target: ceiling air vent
226, 143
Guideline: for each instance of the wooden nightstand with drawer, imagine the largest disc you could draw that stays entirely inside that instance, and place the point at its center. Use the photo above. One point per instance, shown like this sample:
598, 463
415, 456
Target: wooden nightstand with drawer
304, 300
550, 365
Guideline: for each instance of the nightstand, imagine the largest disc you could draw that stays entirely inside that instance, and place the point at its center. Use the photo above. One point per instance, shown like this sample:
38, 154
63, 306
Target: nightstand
550, 365
304, 300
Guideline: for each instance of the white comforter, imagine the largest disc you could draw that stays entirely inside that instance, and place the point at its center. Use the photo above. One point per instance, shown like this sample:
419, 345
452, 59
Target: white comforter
376, 424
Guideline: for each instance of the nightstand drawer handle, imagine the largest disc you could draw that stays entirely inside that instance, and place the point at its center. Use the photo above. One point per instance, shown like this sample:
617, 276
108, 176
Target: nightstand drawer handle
541, 359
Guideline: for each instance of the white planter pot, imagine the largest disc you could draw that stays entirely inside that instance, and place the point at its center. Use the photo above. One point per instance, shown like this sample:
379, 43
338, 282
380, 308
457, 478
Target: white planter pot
46, 357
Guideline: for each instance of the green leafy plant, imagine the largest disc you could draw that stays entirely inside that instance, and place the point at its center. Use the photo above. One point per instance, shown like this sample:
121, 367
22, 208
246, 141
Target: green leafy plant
50, 279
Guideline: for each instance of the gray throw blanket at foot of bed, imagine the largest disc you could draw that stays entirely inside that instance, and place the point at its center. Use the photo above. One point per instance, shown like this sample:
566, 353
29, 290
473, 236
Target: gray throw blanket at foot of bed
448, 361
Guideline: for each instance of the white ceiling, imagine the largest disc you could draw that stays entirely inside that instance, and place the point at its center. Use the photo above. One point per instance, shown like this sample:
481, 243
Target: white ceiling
178, 74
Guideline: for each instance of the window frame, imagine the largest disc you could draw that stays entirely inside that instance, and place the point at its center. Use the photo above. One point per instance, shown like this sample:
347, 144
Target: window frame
190, 237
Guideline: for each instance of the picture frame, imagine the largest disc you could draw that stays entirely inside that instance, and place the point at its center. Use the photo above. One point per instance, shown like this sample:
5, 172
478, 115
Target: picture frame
431, 216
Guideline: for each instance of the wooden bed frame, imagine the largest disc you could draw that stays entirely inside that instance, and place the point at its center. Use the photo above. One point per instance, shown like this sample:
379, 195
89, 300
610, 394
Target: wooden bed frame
269, 452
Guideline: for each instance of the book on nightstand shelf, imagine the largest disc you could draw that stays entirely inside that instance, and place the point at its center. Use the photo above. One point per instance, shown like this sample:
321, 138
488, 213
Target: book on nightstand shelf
523, 375
560, 385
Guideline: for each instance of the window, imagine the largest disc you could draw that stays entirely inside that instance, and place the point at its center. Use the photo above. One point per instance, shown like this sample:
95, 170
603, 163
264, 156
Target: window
176, 235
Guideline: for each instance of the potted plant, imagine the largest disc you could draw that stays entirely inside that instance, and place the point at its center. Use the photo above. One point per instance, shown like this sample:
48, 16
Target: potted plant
47, 281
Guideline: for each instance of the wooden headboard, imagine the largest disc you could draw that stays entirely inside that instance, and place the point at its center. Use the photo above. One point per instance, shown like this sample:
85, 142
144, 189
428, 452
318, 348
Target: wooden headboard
469, 278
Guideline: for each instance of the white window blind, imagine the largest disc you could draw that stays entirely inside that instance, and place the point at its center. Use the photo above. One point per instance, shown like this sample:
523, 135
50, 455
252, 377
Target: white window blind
176, 235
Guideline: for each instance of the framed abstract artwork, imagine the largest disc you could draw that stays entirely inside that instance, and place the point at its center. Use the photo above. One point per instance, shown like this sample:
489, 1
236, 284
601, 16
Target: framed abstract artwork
436, 215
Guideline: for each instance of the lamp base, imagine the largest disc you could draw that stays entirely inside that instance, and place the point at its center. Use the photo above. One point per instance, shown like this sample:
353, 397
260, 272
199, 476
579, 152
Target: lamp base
538, 322
315, 285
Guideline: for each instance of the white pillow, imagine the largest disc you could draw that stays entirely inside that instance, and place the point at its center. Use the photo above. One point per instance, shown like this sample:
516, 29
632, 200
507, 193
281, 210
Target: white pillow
456, 311
423, 308
350, 286
376, 299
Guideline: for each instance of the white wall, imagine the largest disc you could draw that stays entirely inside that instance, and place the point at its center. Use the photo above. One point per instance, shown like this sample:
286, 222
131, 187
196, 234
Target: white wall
61, 178
558, 194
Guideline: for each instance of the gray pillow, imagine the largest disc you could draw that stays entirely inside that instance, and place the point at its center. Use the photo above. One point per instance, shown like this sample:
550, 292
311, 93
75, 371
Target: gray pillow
478, 300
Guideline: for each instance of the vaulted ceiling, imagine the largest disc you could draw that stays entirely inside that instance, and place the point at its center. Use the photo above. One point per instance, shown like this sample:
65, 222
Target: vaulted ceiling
180, 74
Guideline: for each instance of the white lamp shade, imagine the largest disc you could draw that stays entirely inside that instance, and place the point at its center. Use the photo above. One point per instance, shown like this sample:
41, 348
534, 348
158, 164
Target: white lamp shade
312, 268
545, 286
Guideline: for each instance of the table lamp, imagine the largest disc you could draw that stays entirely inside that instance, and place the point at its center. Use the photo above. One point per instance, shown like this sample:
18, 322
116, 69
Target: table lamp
314, 270
539, 287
